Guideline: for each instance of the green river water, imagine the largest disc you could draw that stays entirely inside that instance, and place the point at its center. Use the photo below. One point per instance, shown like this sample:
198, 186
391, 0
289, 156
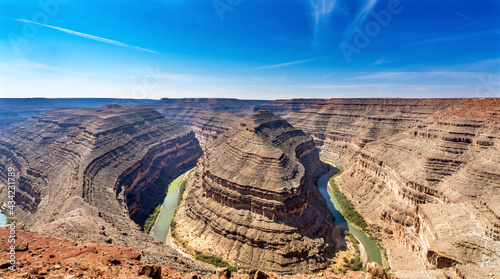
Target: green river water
161, 229
3, 219
162, 225
372, 251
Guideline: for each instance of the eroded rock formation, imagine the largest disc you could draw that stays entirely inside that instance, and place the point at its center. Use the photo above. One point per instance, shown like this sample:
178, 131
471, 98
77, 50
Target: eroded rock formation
16, 110
341, 127
84, 173
286, 106
253, 200
209, 118
425, 174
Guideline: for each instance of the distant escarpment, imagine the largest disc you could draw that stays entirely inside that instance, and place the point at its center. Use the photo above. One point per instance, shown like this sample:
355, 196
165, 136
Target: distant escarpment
84, 173
286, 106
234, 106
16, 110
209, 118
254, 203
425, 174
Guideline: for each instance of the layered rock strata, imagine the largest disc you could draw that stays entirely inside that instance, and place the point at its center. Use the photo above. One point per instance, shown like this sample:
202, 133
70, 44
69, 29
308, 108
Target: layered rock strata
207, 124
18, 110
253, 200
428, 183
342, 127
209, 118
234, 106
286, 106
84, 173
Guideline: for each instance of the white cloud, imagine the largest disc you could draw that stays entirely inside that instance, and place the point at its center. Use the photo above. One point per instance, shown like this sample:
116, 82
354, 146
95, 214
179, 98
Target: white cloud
282, 64
359, 19
321, 10
92, 37
381, 61
410, 75
460, 37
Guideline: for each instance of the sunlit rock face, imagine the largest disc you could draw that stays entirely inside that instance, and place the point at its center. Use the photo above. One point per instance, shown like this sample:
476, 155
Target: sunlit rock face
211, 117
95, 174
425, 174
253, 200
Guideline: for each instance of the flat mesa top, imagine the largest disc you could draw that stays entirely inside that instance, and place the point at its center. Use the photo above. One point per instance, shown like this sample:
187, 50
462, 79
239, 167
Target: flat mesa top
97, 120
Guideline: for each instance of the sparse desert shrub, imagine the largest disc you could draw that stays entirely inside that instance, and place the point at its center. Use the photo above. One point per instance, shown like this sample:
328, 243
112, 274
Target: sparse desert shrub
152, 219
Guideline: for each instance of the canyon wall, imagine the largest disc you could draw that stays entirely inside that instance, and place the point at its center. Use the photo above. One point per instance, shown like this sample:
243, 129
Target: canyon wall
86, 173
17, 110
209, 118
425, 174
254, 203
286, 106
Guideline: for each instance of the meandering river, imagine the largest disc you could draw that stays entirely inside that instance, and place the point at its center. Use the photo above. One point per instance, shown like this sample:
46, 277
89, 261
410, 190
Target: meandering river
3, 219
372, 251
161, 228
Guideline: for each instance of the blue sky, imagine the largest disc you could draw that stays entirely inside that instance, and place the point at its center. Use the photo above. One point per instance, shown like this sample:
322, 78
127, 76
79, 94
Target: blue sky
251, 49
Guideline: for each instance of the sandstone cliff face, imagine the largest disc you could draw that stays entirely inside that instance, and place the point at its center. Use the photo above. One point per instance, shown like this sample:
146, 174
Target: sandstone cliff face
234, 106
207, 124
286, 106
426, 176
254, 203
84, 173
19, 110
342, 127
209, 118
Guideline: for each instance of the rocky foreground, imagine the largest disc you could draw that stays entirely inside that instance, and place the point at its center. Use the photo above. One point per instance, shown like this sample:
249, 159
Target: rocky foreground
37, 256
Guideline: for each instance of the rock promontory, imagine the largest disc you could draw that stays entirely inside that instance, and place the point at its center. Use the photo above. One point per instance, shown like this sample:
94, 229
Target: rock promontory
95, 174
254, 203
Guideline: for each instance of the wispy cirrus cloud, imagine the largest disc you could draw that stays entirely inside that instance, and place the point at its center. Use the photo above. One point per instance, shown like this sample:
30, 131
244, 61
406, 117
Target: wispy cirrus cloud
88, 36
459, 14
282, 64
321, 11
404, 76
360, 18
461, 36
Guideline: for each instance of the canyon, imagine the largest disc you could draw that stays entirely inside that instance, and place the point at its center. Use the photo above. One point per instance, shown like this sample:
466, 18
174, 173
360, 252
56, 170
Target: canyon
211, 117
17, 110
253, 200
95, 174
423, 172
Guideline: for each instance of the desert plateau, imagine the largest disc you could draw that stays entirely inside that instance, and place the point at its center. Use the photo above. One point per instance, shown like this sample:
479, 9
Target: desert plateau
309, 139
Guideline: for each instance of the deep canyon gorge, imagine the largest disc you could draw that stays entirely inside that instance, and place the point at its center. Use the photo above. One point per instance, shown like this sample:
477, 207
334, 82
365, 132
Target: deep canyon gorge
424, 173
